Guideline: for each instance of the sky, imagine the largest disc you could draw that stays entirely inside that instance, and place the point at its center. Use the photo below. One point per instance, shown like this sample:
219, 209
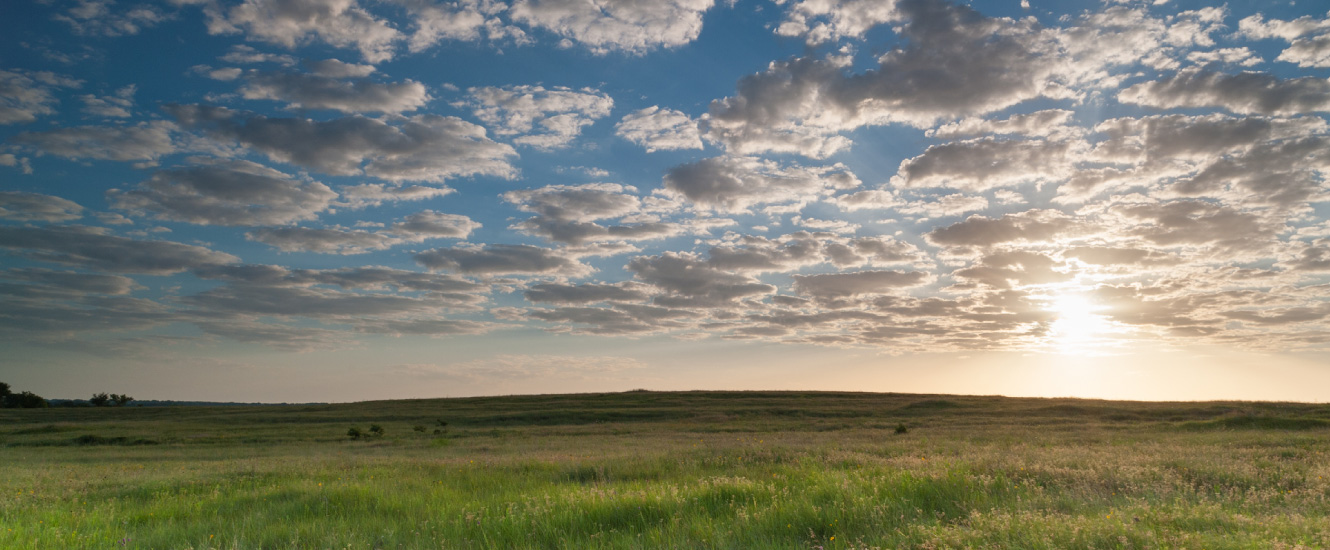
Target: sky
342, 200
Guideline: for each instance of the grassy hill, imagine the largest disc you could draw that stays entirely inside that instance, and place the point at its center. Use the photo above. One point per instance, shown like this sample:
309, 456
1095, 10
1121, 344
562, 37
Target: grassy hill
671, 470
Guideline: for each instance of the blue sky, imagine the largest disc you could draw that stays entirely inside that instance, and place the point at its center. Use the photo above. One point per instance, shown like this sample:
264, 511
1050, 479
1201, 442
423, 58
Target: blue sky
294, 200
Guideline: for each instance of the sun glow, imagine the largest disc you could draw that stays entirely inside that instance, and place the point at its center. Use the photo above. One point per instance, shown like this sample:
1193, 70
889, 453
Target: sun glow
1079, 328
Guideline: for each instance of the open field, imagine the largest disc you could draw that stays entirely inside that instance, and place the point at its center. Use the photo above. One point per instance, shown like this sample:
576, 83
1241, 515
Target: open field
672, 470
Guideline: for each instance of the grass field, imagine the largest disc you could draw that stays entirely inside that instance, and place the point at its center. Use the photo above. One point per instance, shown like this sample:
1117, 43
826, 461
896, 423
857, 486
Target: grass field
672, 470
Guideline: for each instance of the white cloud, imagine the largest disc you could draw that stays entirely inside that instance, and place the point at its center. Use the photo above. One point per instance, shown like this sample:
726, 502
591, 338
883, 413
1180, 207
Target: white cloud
659, 129
415, 228
1245, 93
289, 23
33, 207
821, 21
630, 26
318, 91
536, 116
503, 259
144, 141
983, 164
25, 96
734, 184
95, 248
97, 18
225, 193
112, 106
420, 148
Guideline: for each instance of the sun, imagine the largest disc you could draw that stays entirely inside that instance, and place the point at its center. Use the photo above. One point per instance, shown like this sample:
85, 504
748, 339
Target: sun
1079, 326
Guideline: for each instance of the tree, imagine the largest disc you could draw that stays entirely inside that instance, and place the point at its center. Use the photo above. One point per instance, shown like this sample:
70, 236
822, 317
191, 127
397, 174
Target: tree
25, 400
100, 400
4, 391
120, 399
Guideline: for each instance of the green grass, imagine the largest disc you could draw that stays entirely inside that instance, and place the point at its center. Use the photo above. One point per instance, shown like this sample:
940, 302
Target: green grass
672, 470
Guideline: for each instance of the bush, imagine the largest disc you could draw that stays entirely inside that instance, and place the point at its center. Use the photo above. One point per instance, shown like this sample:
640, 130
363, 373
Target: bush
418, 428
355, 433
376, 430
100, 400
900, 428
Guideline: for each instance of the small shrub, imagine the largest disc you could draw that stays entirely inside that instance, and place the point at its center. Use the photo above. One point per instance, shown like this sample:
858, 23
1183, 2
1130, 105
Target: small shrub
418, 428
438, 431
355, 433
900, 428
376, 430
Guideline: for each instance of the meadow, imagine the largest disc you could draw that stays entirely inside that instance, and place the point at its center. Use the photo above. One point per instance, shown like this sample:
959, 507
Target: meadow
671, 470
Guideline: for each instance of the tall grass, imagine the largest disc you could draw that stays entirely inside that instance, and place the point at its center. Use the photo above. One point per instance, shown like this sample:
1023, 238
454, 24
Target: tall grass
672, 470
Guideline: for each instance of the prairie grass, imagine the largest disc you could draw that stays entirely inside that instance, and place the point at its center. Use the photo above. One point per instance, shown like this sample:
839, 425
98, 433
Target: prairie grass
672, 470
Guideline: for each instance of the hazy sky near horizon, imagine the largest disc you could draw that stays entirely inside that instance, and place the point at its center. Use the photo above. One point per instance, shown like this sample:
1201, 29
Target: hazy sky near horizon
326, 200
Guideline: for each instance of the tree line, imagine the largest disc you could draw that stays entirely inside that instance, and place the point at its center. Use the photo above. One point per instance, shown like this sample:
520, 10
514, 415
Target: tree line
29, 400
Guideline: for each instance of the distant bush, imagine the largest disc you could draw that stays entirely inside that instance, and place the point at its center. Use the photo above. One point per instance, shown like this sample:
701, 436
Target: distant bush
376, 430
418, 428
901, 428
355, 433
100, 400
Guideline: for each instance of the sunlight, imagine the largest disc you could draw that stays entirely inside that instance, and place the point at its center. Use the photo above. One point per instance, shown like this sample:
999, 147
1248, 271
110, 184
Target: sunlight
1078, 328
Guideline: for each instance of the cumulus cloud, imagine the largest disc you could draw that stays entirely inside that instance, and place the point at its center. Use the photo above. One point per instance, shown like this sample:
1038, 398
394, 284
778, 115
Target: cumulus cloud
1029, 226
95, 248
1245, 93
36, 207
982, 164
956, 62
821, 21
1308, 37
567, 213
734, 184
688, 281
321, 91
1046, 123
146, 141
374, 194
931, 207
536, 116
503, 259
629, 26
98, 18
225, 193
566, 294
415, 228
842, 285
289, 23
419, 148
25, 96
659, 129
117, 105
464, 20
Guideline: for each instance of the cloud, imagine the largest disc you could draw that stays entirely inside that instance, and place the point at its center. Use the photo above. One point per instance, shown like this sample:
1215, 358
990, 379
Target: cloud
503, 259
35, 207
734, 184
359, 278
956, 62
1303, 50
289, 23
96, 18
420, 148
25, 96
535, 116
464, 20
374, 194
47, 283
659, 129
1029, 226
146, 141
629, 26
1046, 123
566, 213
844, 285
315, 91
1198, 223
1245, 93
821, 21
94, 248
931, 207
112, 106
233, 192
415, 228
986, 163
565, 294
690, 282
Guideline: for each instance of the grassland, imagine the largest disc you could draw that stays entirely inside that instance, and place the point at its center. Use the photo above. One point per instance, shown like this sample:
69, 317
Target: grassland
672, 470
